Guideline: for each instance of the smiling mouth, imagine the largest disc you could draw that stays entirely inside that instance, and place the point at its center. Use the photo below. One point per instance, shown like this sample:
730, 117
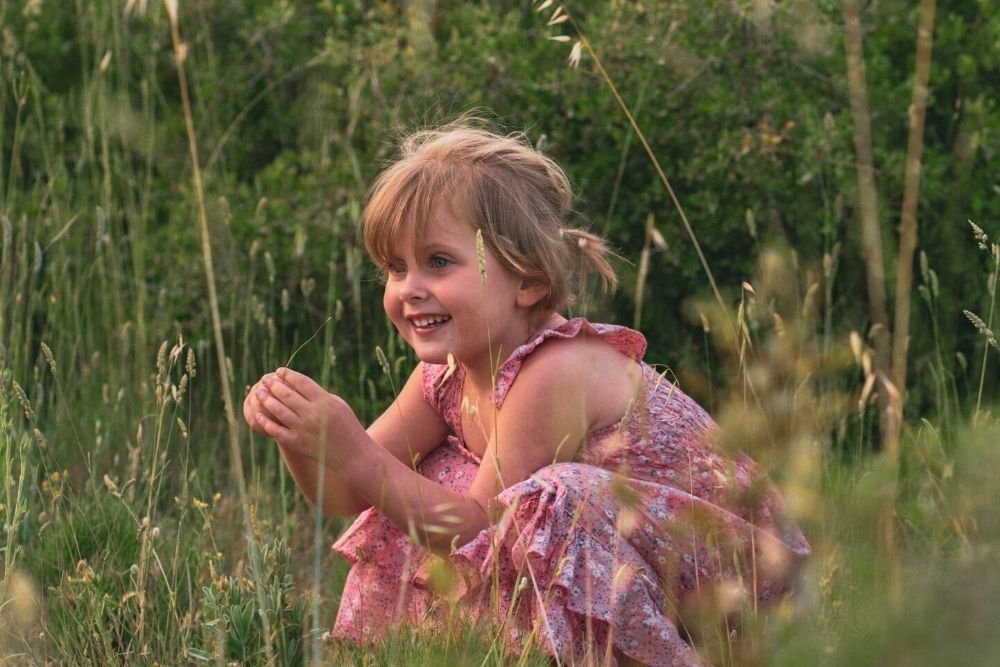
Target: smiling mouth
429, 322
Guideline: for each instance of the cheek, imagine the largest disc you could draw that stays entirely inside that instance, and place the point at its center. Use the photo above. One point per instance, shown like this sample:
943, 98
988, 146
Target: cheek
390, 303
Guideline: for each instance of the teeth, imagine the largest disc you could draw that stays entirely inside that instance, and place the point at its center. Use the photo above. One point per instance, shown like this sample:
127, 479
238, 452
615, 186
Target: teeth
428, 321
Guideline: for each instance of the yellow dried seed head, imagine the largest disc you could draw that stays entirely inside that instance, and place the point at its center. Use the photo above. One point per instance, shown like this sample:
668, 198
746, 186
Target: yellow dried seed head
22, 398
40, 439
47, 353
481, 253
161, 360
383, 361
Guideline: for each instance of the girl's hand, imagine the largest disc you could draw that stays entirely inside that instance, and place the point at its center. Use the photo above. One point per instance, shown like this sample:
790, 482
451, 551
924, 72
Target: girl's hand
251, 406
302, 416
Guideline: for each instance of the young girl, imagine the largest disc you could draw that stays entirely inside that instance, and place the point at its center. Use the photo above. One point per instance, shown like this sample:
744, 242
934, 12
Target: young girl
577, 492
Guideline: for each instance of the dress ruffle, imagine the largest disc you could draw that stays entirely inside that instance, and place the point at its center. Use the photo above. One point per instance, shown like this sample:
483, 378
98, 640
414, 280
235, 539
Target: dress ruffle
595, 558
382, 589
565, 577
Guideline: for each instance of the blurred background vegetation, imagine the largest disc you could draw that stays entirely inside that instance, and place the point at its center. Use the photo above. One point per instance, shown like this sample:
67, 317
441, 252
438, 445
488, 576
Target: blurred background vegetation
296, 106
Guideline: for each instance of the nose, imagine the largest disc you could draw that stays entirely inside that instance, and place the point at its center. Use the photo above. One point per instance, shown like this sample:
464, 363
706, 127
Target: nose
412, 287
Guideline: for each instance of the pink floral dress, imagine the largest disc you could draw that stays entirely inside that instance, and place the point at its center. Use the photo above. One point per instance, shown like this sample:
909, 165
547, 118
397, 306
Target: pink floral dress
599, 556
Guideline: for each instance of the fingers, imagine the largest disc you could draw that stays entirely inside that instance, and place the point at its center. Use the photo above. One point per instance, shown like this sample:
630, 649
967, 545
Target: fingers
251, 406
274, 402
274, 429
303, 384
282, 403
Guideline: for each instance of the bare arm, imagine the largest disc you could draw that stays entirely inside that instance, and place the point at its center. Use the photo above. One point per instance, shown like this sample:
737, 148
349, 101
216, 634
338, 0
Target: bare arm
544, 419
407, 430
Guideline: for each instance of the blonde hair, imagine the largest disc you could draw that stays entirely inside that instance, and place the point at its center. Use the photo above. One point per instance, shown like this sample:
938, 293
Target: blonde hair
519, 198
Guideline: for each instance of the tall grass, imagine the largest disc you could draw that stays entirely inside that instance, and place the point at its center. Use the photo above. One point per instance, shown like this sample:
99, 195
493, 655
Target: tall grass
125, 538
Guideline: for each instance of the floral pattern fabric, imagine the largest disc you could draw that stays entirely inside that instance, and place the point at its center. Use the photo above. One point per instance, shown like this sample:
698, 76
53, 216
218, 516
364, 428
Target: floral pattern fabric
596, 557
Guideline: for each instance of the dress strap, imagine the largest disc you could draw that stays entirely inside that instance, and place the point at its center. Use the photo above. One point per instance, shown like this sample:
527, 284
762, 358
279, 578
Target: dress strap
442, 388
629, 342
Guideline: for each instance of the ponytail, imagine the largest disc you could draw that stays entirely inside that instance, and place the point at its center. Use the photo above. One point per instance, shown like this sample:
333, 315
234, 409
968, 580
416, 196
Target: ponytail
593, 256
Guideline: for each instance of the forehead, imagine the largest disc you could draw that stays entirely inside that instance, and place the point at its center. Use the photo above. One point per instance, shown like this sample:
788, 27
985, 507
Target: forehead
413, 201
439, 226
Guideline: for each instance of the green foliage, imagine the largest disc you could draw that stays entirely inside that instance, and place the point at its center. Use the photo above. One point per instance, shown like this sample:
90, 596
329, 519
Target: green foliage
232, 626
462, 643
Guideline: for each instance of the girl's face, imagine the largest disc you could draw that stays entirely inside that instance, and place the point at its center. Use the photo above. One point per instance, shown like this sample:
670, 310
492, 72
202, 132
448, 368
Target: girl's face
436, 298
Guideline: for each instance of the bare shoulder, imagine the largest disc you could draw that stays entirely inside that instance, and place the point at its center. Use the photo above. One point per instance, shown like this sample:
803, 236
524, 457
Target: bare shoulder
587, 367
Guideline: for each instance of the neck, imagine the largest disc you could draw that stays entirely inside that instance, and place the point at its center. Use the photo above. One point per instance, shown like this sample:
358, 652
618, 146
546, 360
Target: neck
482, 377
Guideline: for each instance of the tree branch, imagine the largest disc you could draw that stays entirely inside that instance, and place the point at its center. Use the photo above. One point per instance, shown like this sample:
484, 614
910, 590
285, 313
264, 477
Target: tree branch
911, 193
871, 234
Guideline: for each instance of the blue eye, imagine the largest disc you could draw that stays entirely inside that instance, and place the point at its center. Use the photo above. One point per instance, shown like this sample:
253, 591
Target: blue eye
396, 269
439, 262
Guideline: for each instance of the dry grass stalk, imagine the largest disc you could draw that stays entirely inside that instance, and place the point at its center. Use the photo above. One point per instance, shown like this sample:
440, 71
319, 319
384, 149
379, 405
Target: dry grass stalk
180, 55
562, 16
643, 271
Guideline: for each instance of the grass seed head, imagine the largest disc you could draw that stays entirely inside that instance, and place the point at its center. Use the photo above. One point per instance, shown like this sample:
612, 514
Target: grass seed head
161, 361
383, 361
181, 389
481, 253
40, 439
22, 398
49, 357
982, 328
981, 238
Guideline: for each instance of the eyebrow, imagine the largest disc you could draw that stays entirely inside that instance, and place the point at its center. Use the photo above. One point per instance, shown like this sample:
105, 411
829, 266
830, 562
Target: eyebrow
433, 246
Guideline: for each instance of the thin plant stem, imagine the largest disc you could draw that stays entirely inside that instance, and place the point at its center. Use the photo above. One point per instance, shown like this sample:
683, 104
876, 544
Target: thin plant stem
288, 363
620, 174
180, 55
670, 191
989, 325
656, 163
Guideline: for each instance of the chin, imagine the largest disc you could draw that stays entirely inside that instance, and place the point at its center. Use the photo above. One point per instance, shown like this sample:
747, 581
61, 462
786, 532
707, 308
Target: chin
432, 356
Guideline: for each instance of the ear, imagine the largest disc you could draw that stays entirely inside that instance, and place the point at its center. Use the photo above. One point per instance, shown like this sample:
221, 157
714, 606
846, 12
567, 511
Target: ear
531, 292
